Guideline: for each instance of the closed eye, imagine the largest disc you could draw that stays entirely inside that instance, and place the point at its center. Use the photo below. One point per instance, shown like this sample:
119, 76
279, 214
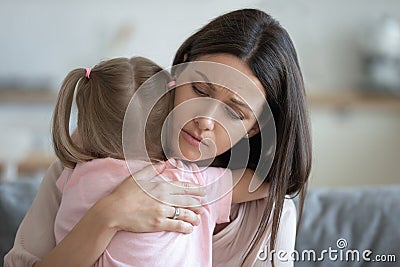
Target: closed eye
233, 114
198, 91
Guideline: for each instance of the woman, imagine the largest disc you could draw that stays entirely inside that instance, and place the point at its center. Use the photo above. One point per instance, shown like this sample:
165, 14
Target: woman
255, 44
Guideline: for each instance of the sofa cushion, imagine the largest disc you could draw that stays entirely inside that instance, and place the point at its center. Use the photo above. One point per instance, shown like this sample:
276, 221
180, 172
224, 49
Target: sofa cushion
15, 200
343, 219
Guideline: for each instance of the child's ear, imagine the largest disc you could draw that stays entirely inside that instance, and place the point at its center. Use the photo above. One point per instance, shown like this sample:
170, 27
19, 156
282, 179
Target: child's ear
253, 131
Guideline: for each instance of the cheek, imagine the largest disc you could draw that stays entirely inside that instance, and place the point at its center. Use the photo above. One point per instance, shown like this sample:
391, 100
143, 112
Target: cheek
223, 140
177, 114
227, 137
234, 131
226, 144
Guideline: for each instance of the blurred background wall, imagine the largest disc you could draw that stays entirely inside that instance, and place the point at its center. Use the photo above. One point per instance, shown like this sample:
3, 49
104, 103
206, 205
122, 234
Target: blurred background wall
355, 119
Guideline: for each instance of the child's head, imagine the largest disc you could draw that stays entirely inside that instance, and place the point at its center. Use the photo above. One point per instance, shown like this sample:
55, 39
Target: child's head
102, 97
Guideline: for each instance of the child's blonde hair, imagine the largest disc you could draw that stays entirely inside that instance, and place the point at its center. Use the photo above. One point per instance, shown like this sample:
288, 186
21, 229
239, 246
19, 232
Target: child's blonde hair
102, 100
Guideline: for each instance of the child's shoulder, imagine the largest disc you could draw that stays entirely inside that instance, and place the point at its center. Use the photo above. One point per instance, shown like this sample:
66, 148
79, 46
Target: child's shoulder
211, 174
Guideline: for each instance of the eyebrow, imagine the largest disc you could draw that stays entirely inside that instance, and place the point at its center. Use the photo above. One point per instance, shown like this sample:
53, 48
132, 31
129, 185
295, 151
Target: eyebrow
240, 103
206, 78
234, 100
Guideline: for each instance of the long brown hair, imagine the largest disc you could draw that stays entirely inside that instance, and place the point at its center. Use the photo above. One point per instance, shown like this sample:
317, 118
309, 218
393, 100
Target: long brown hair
262, 43
102, 100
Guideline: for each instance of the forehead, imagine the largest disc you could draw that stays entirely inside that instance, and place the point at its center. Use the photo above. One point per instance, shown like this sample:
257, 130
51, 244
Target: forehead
234, 63
228, 74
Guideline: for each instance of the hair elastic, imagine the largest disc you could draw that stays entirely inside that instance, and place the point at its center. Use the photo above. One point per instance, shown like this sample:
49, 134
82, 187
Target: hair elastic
171, 83
88, 73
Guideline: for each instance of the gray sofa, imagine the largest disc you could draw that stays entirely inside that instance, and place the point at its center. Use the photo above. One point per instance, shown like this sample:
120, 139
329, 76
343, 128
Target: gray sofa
365, 218
15, 199
351, 221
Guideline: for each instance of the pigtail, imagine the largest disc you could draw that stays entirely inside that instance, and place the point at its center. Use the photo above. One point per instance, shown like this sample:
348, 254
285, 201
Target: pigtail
102, 97
66, 150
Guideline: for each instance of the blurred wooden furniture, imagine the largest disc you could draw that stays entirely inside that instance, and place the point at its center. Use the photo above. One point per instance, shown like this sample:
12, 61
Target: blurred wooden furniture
345, 100
33, 163
36, 161
28, 96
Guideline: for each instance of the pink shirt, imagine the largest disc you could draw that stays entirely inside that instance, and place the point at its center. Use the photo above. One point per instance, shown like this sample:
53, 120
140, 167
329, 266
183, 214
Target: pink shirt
88, 182
35, 236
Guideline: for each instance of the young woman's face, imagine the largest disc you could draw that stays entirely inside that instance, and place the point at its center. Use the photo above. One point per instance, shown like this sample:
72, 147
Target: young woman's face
210, 116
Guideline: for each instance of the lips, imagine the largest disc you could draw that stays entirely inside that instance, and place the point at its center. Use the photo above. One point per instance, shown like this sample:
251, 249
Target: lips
192, 138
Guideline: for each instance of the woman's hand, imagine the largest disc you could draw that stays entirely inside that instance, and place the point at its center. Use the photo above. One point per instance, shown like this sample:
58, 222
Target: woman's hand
128, 208
138, 205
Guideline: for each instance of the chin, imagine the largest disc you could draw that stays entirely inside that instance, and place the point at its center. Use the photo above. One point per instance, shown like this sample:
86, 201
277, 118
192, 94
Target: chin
191, 157
190, 153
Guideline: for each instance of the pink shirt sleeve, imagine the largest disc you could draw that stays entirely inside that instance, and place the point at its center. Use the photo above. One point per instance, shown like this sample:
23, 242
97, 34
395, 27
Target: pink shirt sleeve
219, 192
35, 235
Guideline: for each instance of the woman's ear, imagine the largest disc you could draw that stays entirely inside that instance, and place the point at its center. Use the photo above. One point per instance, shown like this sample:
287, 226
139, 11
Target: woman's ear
253, 131
185, 57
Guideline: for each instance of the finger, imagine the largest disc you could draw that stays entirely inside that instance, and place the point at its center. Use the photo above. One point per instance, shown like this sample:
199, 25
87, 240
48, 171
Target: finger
183, 201
186, 188
177, 226
186, 216
149, 171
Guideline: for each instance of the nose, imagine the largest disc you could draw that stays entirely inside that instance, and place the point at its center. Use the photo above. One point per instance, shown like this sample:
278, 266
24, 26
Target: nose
204, 123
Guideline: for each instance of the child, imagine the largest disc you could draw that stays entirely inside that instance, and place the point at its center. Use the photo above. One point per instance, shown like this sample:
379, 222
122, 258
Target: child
95, 164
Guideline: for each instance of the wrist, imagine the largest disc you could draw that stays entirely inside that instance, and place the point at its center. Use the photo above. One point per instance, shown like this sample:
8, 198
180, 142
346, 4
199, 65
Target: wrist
103, 217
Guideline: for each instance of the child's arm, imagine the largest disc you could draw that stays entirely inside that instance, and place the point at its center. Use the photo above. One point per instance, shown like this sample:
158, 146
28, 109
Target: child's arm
241, 192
